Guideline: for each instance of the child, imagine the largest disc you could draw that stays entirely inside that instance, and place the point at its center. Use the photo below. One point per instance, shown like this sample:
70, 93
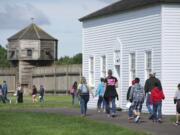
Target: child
100, 93
156, 98
34, 94
177, 102
73, 92
137, 95
129, 99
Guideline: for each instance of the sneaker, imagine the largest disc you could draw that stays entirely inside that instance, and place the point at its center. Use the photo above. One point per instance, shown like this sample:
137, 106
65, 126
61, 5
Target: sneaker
151, 117
99, 111
136, 120
176, 123
159, 121
113, 114
108, 115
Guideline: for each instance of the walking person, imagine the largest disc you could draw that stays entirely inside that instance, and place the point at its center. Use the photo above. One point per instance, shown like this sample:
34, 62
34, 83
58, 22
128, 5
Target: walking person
100, 93
129, 99
34, 94
5, 92
41, 93
110, 95
84, 91
1, 95
73, 92
149, 85
19, 94
156, 98
137, 97
177, 102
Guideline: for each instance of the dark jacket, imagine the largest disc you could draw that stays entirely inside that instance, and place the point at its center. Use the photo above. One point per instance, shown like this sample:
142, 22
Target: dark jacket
149, 85
128, 93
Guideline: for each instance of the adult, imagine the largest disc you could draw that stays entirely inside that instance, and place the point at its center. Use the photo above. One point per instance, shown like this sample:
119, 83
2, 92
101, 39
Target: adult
19, 94
111, 83
149, 85
5, 91
84, 91
138, 95
1, 94
41, 93
34, 94
73, 92
177, 102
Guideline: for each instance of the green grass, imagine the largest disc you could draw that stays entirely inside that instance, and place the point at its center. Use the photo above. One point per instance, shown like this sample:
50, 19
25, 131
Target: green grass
50, 102
21, 123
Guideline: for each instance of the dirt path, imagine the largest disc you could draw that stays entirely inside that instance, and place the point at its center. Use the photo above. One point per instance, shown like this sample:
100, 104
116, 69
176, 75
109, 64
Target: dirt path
165, 128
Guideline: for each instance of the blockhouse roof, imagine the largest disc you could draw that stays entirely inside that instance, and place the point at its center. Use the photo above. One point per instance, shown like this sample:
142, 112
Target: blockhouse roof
31, 32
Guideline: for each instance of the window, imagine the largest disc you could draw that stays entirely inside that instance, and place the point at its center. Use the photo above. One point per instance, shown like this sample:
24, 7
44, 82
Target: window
29, 52
132, 66
117, 57
148, 63
91, 71
103, 66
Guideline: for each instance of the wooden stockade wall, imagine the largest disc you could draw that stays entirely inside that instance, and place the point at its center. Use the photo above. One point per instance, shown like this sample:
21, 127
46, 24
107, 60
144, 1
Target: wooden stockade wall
56, 79
9, 75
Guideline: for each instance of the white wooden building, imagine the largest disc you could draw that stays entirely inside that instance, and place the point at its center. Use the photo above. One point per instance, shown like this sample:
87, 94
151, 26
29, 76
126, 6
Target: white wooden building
134, 37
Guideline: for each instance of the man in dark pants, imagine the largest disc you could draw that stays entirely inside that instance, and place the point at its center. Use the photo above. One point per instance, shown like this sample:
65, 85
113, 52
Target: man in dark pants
149, 85
5, 91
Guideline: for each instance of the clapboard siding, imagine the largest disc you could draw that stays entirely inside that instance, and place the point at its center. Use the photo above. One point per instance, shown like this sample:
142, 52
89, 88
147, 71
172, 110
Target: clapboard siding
170, 54
138, 30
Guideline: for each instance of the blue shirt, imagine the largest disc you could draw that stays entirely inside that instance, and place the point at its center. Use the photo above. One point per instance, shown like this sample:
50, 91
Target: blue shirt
100, 89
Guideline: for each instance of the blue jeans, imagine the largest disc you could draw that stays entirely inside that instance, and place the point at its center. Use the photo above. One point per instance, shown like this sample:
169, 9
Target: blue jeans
148, 104
157, 114
83, 103
108, 105
130, 111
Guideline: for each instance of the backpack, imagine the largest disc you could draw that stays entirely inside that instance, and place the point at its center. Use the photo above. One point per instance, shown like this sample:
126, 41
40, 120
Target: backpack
138, 93
84, 89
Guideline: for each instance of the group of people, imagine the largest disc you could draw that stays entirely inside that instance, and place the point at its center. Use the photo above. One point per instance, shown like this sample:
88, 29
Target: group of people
151, 93
4, 92
35, 93
19, 93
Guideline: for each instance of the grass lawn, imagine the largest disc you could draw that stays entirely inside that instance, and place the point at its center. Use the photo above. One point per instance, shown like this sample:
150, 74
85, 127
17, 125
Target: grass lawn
20, 123
50, 101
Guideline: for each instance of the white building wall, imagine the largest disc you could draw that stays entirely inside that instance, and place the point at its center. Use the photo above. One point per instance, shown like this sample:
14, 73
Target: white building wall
170, 54
138, 31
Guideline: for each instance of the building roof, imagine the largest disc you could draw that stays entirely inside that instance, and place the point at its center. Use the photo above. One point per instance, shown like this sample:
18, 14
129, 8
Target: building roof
31, 32
124, 5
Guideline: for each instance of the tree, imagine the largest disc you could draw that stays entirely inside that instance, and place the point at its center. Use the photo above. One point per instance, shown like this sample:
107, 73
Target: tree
66, 60
3, 58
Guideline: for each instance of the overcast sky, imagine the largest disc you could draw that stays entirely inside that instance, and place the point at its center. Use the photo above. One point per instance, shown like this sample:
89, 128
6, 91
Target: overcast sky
57, 17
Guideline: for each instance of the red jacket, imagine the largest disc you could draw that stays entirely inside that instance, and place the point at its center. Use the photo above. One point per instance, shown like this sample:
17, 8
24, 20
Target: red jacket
156, 95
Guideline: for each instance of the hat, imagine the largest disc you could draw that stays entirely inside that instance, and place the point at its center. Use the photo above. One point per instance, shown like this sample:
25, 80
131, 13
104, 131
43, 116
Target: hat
152, 73
133, 82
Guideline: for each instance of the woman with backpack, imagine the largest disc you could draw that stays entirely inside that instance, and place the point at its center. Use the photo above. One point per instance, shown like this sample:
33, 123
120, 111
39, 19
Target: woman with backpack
83, 92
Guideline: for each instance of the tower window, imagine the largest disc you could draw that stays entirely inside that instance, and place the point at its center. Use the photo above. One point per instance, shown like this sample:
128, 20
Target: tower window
29, 52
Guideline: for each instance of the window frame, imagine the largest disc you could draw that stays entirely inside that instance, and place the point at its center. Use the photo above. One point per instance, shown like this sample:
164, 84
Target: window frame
132, 69
148, 69
92, 71
103, 67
